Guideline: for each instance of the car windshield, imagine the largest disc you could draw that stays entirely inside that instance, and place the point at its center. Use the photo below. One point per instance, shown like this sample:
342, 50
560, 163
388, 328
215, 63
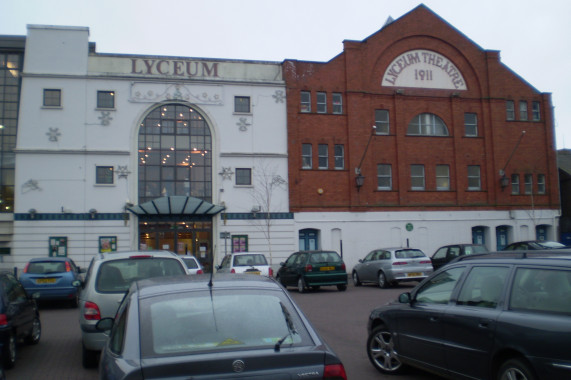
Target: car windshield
471, 249
217, 321
45, 267
247, 260
324, 257
117, 275
409, 254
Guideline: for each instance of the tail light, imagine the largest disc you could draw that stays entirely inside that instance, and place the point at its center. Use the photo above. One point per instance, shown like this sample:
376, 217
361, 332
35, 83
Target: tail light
233, 270
91, 311
271, 272
334, 372
26, 268
400, 263
3, 320
67, 267
199, 271
308, 268
426, 262
343, 266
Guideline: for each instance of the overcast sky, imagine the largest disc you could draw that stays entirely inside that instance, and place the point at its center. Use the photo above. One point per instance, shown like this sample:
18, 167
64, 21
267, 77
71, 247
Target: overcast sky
533, 37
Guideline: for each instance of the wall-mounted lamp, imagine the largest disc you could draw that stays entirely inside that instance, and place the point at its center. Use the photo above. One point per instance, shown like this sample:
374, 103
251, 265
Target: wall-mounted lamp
399, 91
504, 180
360, 179
255, 210
92, 213
32, 213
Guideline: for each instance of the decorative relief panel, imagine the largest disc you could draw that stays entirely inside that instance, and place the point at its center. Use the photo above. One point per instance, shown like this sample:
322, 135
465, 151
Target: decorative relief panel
157, 92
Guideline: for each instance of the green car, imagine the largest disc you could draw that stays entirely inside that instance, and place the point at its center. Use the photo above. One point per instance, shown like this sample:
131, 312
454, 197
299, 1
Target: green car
313, 269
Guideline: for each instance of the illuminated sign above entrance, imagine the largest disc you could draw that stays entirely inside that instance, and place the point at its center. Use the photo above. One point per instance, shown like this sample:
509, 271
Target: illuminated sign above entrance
423, 69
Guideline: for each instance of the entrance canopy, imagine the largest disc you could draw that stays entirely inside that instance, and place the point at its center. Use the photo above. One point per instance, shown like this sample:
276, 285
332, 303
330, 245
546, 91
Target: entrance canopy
176, 205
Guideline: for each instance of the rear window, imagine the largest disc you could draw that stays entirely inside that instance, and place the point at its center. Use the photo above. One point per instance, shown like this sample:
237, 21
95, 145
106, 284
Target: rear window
246, 260
46, 267
190, 263
475, 249
117, 275
324, 257
542, 290
409, 254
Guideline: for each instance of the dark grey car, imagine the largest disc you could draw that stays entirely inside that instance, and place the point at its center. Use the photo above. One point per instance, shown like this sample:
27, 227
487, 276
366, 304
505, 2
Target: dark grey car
446, 254
495, 316
235, 327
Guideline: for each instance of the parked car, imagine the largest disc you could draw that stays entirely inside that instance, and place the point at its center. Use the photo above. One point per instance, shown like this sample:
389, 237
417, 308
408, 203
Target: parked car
19, 318
107, 280
245, 262
238, 327
313, 269
492, 316
389, 266
193, 266
534, 245
52, 278
444, 255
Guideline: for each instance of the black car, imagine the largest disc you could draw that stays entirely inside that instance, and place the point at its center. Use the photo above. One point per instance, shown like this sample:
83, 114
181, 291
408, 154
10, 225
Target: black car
534, 245
494, 316
229, 326
444, 255
19, 318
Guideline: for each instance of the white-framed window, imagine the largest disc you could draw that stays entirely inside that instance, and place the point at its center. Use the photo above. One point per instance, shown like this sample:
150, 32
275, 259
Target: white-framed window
510, 110
528, 183
384, 177
515, 184
321, 102
305, 101
474, 181
306, 156
323, 156
541, 183
242, 104
337, 99
104, 175
523, 110
417, 177
470, 124
442, 177
243, 176
52, 97
535, 111
427, 124
339, 155
382, 122
106, 99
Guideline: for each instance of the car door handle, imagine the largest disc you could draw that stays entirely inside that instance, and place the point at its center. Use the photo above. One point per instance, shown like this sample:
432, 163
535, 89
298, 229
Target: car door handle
485, 324
434, 319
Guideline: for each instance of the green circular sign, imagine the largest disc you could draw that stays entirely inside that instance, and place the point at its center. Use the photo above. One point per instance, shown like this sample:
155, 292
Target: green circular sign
409, 227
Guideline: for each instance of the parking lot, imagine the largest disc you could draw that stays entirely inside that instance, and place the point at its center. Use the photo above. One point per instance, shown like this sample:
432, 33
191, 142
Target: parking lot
340, 317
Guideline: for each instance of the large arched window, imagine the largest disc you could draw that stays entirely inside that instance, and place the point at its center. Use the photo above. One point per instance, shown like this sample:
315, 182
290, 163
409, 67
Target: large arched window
427, 124
175, 155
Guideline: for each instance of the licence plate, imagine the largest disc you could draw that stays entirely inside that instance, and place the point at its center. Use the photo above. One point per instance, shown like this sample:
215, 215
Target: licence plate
414, 274
253, 272
326, 268
45, 281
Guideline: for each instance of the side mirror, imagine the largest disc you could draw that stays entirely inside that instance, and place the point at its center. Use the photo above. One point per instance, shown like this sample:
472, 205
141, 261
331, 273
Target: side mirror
405, 298
77, 284
282, 264
360, 260
105, 324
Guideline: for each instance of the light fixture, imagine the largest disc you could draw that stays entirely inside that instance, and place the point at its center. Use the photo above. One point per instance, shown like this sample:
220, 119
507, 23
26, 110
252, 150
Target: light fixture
92, 213
504, 180
32, 213
360, 179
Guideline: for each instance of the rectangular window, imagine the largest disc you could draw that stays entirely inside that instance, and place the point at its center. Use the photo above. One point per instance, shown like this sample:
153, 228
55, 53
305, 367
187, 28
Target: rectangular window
306, 156
515, 184
382, 122
474, 182
471, 124
305, 101
523, 110
243, 176
536, 113
528, 183
510, 110
337, 103
323, 156
52, 98
104, 175
321, 102
105, 99
384, 177
442, 177
541, 183
242, 104
239, 243
339, 153
417, 177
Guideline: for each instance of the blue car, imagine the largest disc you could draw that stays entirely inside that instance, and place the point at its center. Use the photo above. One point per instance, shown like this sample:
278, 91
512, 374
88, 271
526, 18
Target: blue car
53, 279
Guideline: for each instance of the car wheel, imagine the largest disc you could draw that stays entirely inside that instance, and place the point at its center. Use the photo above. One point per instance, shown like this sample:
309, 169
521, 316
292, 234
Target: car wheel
74, 302
301, 285
356, 280
9, 352
342, 288
316, 288
89, 358
515, 369
383, 283
381, 351
36, 333
279, 279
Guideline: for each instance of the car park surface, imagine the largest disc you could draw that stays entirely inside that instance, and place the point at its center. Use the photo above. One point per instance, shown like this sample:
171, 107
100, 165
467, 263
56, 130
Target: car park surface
245, 262
446, 254
313, 269
493, 316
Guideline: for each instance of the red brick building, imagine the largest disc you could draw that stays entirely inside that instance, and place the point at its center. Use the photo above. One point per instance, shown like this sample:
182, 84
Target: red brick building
463, 149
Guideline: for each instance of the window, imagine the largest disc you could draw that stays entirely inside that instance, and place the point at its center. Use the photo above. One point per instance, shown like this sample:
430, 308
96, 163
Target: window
439, 289
538, 289
243, 177
541, 183
523, 110
510, 110
474, 177
427, 124
306, 159
442, 177
471, 124
384, 177
382, 122
242, 104
104, 175
337, 103
417, 177
339, 153
528, 183
515, 184
52, 98
321, 102
239, 244
305, 101
535, 111
323, 156
483, 287
105, 99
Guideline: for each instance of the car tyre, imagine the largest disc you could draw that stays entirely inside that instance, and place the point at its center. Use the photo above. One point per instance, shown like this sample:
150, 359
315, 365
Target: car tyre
9, 352
342, 288
515, 369
383, 283
301, 285
381, 351
36, 333
89, 358
279, 279
356, 280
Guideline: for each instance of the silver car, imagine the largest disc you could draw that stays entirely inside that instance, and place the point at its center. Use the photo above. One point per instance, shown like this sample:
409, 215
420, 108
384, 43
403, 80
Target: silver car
389, 266
108, 278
